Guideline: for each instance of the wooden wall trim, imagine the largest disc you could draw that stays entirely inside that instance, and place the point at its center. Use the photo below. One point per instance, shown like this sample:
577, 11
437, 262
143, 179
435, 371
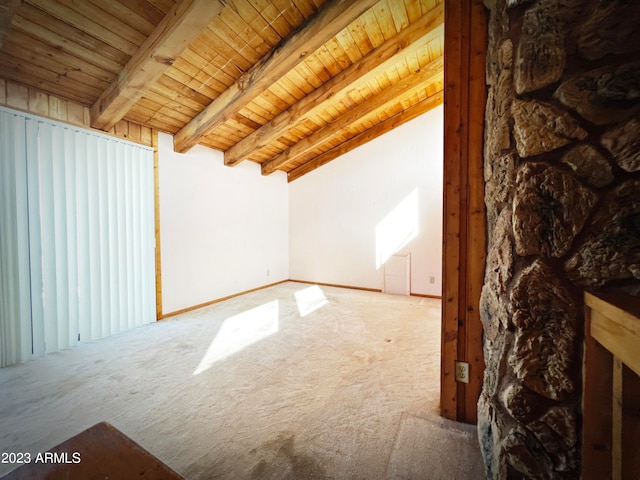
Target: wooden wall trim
218, 300
156, 212
31, 100
464, 224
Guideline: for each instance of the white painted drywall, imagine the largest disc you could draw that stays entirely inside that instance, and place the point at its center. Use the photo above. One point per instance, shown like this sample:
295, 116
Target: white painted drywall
335, 210
221, 229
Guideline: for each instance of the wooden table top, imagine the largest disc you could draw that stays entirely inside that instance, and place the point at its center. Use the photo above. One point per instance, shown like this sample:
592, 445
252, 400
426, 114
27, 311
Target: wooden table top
98, 453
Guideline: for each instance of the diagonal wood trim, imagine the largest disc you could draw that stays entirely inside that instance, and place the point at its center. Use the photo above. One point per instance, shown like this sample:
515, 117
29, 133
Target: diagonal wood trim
176, 31
319, 29
416, 80
368, 135
8, 9
409, 40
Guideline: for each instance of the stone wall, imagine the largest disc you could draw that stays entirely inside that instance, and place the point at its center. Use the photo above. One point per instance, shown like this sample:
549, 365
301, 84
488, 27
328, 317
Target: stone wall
562, 172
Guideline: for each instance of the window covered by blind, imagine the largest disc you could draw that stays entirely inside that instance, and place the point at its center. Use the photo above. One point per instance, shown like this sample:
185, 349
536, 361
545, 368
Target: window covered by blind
77, 236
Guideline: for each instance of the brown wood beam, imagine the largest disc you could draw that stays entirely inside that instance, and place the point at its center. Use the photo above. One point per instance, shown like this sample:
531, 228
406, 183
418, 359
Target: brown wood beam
368, 135
316, 31
411, 84
176, 31
406, 42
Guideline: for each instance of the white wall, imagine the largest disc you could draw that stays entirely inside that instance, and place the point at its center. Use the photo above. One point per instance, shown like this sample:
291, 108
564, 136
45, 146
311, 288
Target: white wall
221, 229
335, 210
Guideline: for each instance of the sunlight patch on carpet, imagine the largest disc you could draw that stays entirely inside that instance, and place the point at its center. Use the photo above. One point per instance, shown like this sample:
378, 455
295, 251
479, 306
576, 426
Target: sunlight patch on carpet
310, 299
239, 332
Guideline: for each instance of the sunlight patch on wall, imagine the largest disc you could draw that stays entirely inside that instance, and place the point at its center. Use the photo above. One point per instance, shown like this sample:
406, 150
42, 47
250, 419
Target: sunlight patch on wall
397, 229
239, 332
310, 299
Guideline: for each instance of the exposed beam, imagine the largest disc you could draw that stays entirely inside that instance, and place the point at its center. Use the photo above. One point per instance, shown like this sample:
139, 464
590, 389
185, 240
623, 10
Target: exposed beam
368, 135
319, 29
8, 9
408, 41
409, 84
184, 22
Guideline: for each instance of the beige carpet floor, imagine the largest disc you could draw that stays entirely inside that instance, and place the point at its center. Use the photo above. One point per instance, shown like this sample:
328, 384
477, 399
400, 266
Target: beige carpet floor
290, 382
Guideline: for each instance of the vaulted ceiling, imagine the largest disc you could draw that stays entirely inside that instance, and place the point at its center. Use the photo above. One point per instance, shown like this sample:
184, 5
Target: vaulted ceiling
290, 84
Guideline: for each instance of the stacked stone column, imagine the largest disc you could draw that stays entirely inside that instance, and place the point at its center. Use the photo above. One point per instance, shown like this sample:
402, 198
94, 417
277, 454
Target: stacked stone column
562, 173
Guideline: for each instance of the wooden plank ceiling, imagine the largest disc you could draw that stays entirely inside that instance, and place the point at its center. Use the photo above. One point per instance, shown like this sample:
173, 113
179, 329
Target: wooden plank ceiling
290, 84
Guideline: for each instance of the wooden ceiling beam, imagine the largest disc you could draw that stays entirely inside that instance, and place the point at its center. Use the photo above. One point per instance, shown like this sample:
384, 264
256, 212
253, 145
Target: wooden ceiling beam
324, 25
408, 41
184, 22
368, 135
409, 84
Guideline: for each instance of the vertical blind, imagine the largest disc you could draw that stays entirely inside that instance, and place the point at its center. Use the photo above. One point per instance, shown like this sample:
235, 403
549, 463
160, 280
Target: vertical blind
76, 238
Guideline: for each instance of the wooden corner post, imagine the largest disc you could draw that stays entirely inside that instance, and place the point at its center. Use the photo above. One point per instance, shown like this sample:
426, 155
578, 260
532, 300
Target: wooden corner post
464, 223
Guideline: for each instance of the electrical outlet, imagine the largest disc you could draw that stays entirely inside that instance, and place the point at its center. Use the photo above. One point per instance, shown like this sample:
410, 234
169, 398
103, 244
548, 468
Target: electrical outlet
432, 279
268, 272
462, 372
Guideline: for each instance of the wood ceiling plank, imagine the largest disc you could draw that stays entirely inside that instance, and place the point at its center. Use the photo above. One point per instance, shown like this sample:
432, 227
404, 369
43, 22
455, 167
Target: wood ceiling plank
164, 98
261, 107
90, 27
181, 93
290, 12
348, 44
64, 73
366, 136
308, 78
338, 53
283, 93
314, 63
288, 90
245, 118
174, 33
222, 55
386, 23
237, 24
273, 17
44, 50
77, 37
427, 5
306, 7
260, 26
405, 43
388, 95
403, 68
141, 23
414, 11
68, 44
194, 84
151, 12
399, 13
412, 62
212, 66
202, 82
234, 47
163, 5
30, 75
371, 26
116, 26
314, 33
359, 35
8, 9
298, 85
